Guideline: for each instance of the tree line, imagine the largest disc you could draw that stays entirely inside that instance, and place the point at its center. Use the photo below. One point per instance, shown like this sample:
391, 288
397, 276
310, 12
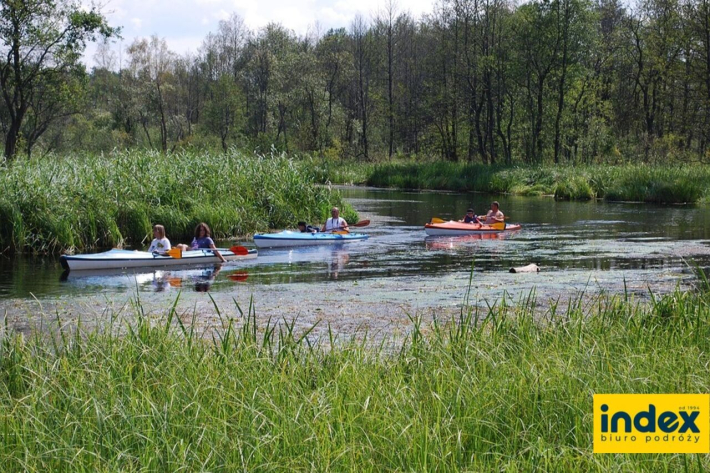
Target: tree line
489, 81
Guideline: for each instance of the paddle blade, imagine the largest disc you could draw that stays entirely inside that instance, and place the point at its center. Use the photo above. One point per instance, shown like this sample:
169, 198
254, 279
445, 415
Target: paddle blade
174, 252
239, 250
437, 220
175, 282
361, 223
239, 277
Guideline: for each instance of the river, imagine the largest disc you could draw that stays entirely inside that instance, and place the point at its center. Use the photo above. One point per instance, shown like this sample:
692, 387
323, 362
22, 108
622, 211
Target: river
581, 248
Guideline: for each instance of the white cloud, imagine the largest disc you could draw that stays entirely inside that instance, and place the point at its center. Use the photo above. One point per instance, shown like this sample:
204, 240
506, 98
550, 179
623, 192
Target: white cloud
185, 23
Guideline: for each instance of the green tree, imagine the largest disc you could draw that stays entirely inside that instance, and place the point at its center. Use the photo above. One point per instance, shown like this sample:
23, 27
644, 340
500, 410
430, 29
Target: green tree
41, 39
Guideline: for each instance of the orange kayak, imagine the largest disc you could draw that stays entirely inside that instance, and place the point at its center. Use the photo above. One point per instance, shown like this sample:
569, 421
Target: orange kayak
460, 228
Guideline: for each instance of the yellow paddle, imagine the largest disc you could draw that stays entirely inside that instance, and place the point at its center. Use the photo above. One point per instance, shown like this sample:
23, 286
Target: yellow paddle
174, 252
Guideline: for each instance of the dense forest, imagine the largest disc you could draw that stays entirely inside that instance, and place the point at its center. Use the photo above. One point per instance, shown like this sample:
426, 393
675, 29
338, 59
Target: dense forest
485, 81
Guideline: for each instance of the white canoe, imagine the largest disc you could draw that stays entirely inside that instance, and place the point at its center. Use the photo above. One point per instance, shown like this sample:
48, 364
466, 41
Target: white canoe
288, 238
142, 259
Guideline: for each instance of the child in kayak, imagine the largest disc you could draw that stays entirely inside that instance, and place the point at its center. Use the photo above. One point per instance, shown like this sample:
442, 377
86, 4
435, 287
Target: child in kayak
202, 240
470, 217
307, 228
160, 244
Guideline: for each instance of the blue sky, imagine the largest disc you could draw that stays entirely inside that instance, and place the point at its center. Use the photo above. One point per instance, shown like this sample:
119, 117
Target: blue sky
185, 23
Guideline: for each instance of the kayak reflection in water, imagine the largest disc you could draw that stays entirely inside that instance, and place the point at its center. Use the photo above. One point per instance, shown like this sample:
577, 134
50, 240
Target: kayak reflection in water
449, 243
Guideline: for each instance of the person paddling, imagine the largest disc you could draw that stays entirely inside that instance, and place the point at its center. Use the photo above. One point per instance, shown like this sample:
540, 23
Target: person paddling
494, 215
335, 223
202, 240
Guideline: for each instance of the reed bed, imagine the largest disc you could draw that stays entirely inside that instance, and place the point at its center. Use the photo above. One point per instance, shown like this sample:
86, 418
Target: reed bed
85, 202
641, 183
498, 389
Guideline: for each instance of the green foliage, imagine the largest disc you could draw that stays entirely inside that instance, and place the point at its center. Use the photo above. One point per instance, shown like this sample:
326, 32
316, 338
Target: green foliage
662, 184
39, 82
576, 188
91, 201
507, 388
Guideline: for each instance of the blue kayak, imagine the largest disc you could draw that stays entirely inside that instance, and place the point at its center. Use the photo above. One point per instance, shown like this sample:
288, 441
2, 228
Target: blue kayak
289, 238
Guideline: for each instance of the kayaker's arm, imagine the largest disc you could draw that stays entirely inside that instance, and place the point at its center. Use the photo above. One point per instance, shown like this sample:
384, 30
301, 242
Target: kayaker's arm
217, 253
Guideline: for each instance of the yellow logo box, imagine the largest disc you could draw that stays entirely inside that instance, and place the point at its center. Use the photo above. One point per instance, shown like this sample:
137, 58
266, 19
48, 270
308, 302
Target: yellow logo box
652, 423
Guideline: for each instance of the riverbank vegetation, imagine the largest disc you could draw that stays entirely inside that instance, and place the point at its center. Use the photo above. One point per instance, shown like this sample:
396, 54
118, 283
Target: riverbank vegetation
642, 183
96, 201
499, 389
541, 82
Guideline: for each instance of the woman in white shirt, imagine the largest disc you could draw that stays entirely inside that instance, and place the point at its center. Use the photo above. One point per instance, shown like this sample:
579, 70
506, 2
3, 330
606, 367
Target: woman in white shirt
335, 223
160, 244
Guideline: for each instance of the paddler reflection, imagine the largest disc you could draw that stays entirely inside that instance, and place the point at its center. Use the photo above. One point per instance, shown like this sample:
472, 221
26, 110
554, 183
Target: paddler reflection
339, 257
202, 278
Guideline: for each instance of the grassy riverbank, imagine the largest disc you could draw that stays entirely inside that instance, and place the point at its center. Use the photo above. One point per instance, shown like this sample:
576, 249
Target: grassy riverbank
663, 184
93, 201
510, 393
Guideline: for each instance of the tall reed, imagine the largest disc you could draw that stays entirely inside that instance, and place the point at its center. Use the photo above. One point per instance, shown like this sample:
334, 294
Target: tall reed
662, 184
506, 388
93, 201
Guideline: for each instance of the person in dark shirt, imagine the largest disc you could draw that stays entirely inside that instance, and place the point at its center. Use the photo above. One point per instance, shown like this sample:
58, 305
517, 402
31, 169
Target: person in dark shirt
470, 217
307, 228
202, 239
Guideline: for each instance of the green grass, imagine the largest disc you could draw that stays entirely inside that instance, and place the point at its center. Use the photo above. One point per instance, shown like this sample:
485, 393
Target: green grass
667, 184
95, 201
337, 171
501, 389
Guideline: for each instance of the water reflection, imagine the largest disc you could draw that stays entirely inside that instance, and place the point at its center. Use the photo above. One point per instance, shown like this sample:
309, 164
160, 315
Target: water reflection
570, 240
339, 257
453, 242
200, 279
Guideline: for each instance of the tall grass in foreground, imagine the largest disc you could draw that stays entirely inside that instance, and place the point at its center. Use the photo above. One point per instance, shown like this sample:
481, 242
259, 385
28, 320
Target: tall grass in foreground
88, 201
678, 184
497, 390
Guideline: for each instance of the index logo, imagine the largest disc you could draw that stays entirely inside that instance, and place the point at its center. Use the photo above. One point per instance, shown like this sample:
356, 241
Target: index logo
652, 423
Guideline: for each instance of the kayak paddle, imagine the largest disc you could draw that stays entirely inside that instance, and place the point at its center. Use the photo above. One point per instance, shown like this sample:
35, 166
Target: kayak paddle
174, 252
361, 223
237, 250
239, 276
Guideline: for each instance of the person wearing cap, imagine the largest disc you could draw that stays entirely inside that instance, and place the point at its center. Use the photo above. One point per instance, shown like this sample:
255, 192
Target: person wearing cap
470, 217
335, 222
307, 228
494, 215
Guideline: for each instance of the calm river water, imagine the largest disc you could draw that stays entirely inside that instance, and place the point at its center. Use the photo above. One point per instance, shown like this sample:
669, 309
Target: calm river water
588, 247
